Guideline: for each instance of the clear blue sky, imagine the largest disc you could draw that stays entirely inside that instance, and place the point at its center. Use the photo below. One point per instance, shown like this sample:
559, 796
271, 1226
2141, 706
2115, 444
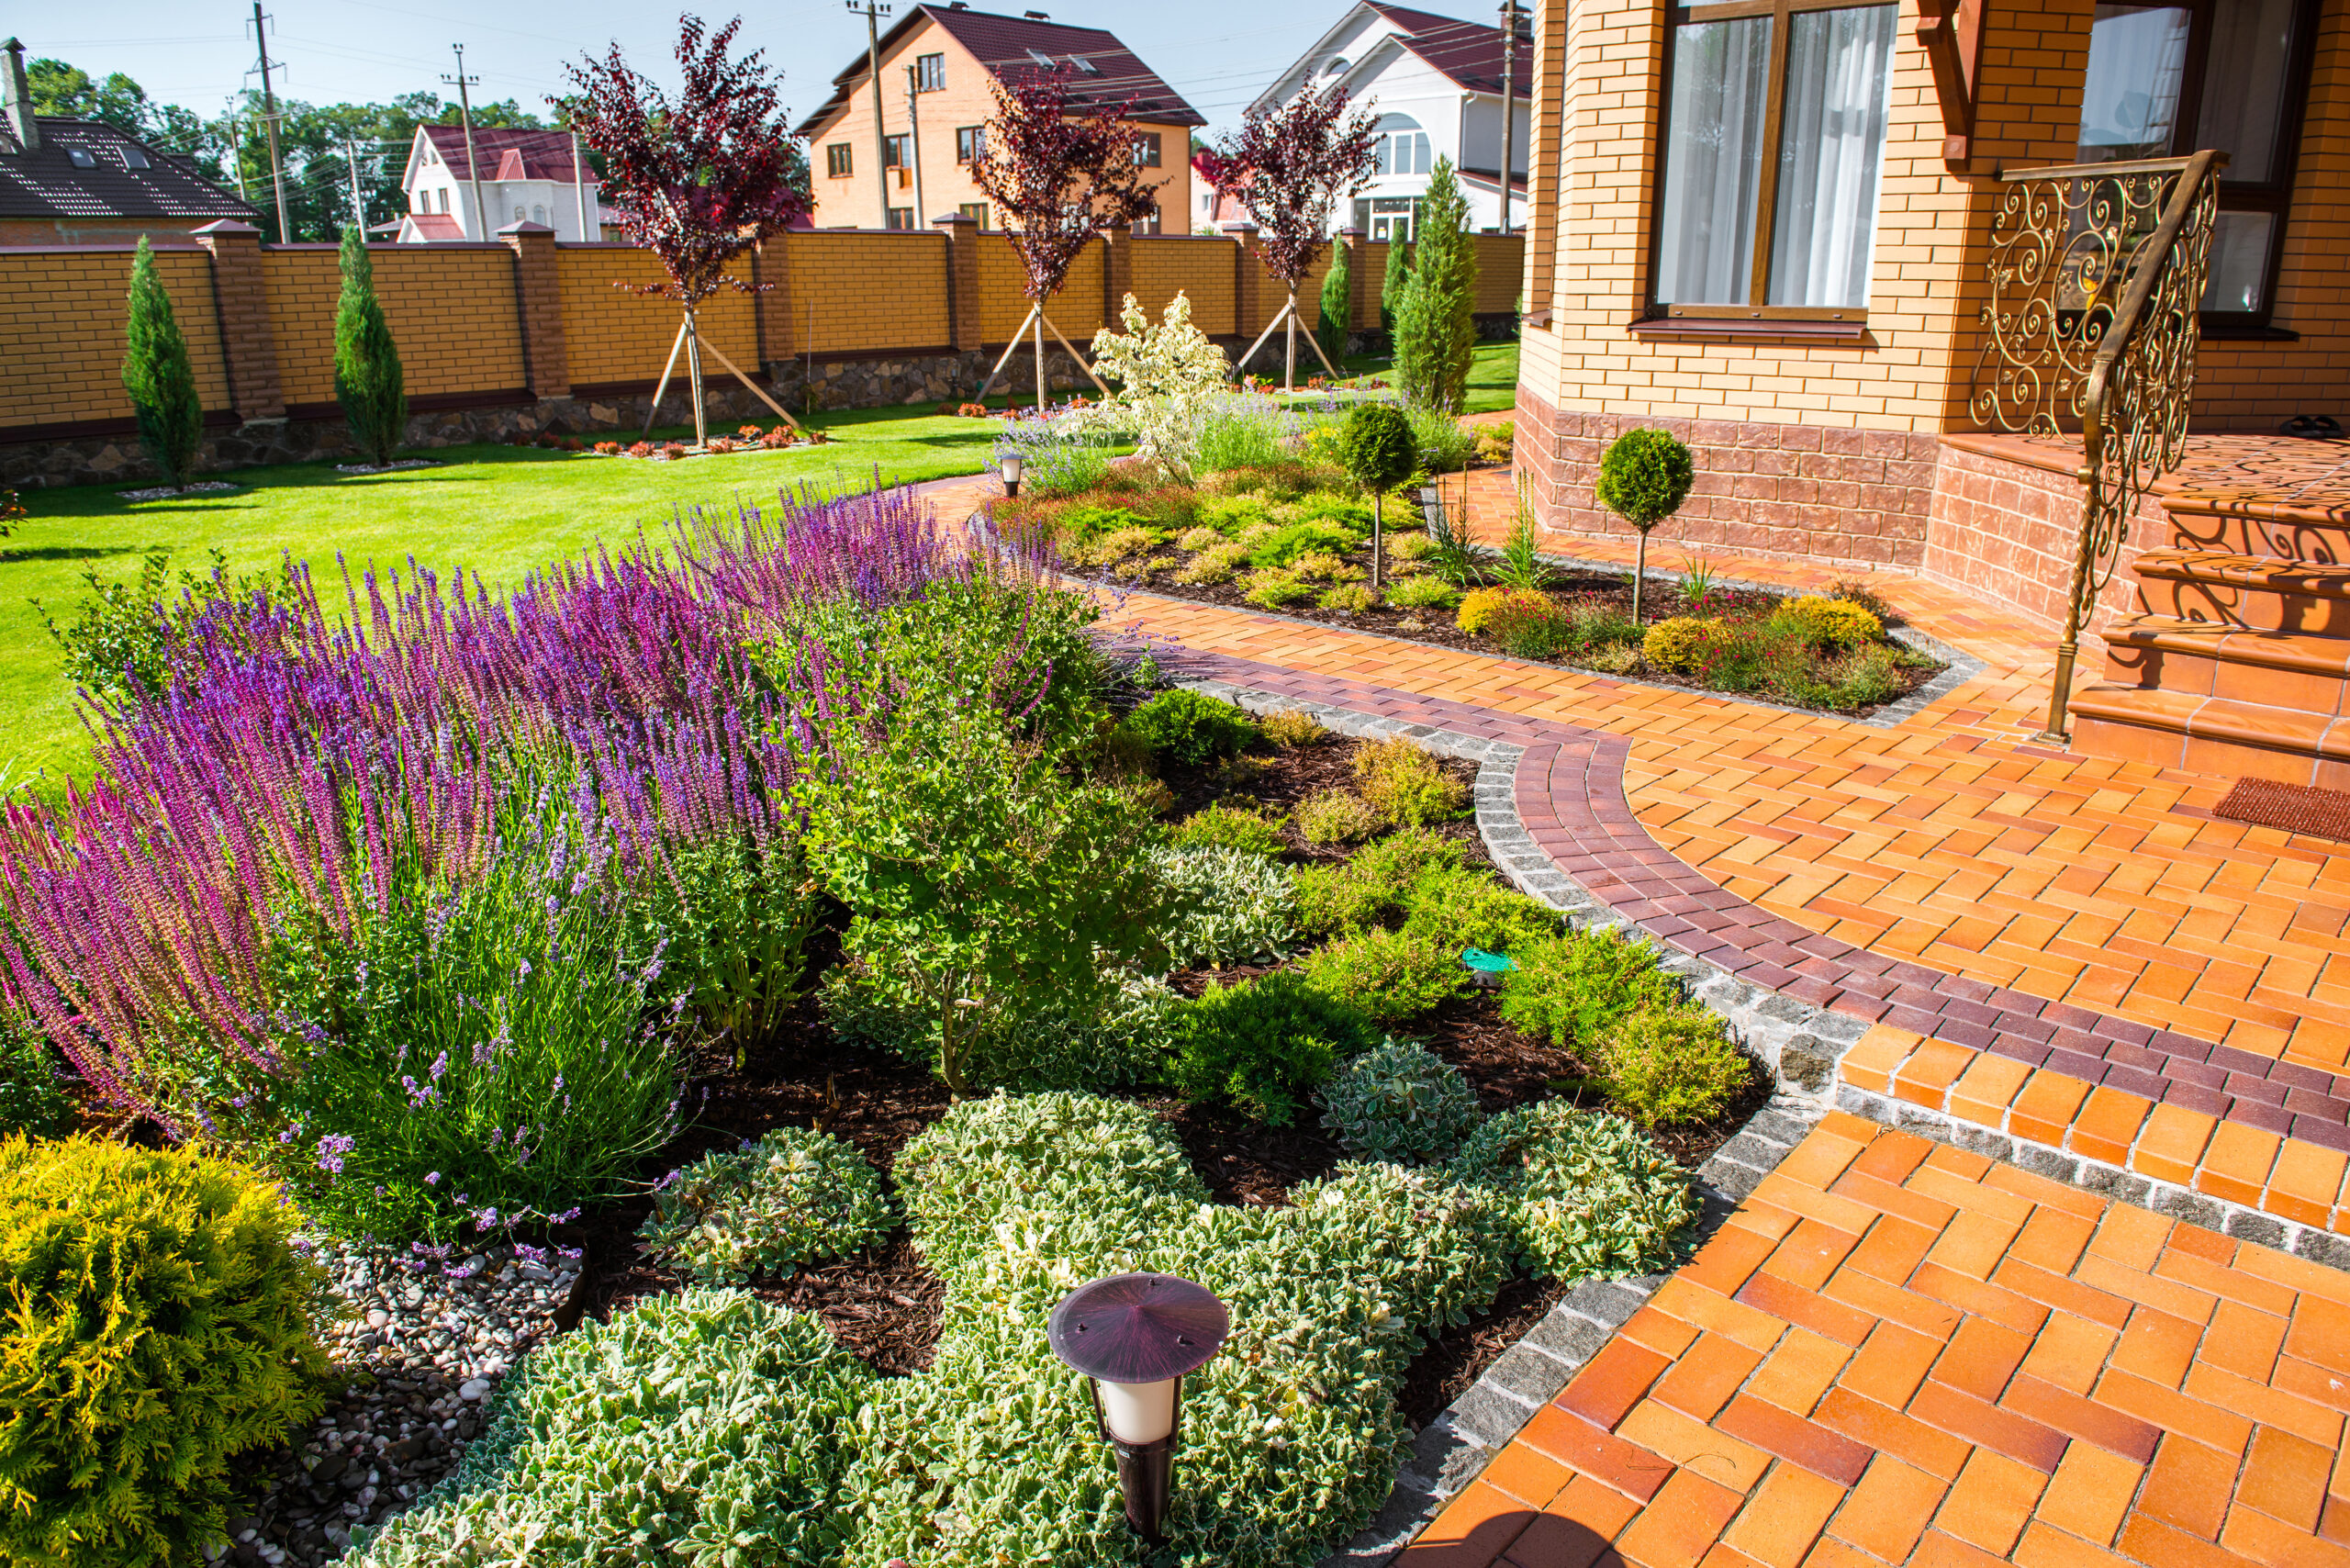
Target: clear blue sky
1217, 54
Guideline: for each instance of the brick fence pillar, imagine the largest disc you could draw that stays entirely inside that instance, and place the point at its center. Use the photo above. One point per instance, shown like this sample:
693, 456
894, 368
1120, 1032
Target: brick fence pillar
538, 290
240, 292
1248, 282
962, 279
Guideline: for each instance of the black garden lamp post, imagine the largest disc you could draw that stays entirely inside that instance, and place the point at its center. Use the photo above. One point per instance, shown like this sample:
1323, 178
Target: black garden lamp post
1134, 1337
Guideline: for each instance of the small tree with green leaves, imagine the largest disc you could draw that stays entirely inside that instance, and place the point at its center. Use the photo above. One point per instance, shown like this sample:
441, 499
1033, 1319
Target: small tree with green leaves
1390, 284
1380, 453
368, 381
157, 374
1435, 327
1643, 479
1338, 301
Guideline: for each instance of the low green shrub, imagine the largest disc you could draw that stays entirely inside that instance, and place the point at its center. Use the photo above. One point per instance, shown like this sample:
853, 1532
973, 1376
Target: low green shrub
1399, 1102
1336, 816
707, 1428
1111, 547
1351, 597
1681, 643
791, 1197
1192, 727
1406, 786
1371, 887
1585, 1196
32, 1087
1470, 909
1110, 1034
1673, 1065
1575, 986
1292, 729
1409, 544
1225, 906
124, 643
1229, 514
1230, 826
1214, 566
158, 1326
1389, 975
1422, 591
1834, 623
1274, 589
1479, 606
1264, 1045
1201, 538
1291, 543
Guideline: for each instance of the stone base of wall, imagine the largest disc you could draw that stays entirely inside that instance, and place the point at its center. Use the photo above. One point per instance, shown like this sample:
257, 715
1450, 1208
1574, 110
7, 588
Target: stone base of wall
1762, 489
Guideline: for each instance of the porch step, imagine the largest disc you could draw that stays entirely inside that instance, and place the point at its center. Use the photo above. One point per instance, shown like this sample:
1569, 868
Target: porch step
2273, 530
2211, 734
2298, 670
2262, 593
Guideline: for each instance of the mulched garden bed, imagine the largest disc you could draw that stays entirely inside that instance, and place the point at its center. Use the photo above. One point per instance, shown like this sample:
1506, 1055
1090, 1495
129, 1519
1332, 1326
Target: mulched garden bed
884, 1304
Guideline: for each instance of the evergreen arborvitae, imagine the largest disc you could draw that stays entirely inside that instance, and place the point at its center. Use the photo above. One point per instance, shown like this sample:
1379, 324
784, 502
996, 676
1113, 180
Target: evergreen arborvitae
1337, 299
1390, 287
157, 374
368, 381
1435, 327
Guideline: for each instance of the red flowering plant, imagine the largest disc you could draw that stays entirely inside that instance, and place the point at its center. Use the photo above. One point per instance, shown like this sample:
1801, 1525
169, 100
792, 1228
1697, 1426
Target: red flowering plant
1061, 171
697, 180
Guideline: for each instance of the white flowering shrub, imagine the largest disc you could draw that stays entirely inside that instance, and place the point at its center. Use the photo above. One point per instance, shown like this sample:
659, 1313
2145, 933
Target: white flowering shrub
794, 1196
1166, 375
703, 1429
1584, 1195
1399, 1102
1290, 1435
1229, 906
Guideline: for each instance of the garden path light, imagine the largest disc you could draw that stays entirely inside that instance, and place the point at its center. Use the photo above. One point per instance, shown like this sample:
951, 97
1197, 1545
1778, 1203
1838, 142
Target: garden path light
1134, 1336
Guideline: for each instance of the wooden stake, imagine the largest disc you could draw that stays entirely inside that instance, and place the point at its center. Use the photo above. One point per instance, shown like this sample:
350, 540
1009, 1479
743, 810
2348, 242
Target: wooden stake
662, 390
1074, 354
693, 378
1037, 315
757, 390
1289, 357
1008, 350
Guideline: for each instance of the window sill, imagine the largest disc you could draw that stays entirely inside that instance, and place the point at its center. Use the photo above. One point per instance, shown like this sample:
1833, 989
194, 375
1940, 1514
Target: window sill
1745, 326
2246, 334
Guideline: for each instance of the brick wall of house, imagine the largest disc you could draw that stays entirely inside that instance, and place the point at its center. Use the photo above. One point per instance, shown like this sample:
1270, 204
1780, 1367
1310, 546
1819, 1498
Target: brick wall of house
62, 323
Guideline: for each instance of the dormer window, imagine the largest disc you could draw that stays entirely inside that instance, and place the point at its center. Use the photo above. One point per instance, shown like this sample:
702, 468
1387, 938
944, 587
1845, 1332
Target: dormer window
1085, 65
1041, 58
81, 157
132, 158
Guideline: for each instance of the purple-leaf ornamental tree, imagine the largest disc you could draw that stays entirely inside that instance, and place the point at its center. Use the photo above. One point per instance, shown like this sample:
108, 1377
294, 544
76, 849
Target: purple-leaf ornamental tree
697, 180
1290, 166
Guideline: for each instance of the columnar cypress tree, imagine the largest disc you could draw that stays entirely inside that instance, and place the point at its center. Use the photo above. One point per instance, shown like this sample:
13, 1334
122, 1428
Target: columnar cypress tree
1435, 323
368, 381
1390, 287
1337, 299
157, 374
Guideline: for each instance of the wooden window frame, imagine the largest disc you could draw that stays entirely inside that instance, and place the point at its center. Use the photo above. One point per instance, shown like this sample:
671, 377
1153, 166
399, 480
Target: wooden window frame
971, 143
897, 149
890, 217
1766, 203
2274, 194
840, 159
1152, 142
930, 73
977, 211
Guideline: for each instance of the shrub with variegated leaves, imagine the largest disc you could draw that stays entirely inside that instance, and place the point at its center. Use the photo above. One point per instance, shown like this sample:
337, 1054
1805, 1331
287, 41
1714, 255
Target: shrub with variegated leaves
794, 1196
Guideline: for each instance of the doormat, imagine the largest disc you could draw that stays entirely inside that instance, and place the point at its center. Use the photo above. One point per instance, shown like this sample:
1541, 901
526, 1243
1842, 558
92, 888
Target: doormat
2294, 808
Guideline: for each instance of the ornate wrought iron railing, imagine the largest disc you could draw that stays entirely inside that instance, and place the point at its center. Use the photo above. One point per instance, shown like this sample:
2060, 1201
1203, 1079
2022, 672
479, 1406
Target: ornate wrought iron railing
2097, 271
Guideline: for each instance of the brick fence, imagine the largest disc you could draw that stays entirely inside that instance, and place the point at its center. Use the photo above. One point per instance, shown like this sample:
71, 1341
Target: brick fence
524, 334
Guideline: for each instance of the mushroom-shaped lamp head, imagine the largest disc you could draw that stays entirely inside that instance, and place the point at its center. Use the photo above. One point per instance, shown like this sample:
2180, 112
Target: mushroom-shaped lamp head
1134, 1335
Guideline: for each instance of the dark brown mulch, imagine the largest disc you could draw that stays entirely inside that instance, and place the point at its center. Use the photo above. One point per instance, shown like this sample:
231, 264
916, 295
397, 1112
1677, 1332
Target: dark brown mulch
884, 1304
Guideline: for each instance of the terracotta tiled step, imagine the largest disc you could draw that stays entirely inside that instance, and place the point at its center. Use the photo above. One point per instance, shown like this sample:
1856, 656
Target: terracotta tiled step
2277, 529
2211, 734
2256, 591
2282, 669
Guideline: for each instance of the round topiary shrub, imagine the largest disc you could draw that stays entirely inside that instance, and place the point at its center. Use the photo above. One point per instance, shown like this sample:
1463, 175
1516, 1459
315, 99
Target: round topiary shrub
1480, 607
1378, 447
1585, 1195
1680, 643
156, 1325
1401, 1104
1192, 727
1644, 477
794, 1196
1673, 1065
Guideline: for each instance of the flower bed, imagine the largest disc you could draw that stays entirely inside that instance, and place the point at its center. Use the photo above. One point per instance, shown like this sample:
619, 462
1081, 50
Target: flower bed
1293, 537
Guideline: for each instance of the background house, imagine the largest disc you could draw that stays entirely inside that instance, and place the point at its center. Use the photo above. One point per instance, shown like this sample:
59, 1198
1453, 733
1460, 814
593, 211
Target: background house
1435, 86
83, 181
526, 177
936, 66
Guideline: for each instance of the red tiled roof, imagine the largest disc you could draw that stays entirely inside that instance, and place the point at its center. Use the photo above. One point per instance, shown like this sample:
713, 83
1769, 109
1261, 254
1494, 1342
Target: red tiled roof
1468, 53
437, 225
507, 154
1004, 45
45, 181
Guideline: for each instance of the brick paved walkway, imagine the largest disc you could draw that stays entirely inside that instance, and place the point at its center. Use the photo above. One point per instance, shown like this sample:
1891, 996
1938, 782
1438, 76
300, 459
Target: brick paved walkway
1896, 1352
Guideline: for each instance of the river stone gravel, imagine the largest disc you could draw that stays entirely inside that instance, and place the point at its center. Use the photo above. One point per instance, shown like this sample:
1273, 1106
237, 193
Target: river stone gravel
419, 1349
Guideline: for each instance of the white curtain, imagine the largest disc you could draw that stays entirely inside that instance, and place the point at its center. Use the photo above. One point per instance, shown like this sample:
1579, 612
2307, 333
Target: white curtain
1832, 146
2129, 98
1713, 160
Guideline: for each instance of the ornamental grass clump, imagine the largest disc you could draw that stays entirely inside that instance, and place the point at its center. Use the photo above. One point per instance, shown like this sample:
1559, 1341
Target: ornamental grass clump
1399, 1102
158, 1331
1584, 1196
704, 1427
792, 1197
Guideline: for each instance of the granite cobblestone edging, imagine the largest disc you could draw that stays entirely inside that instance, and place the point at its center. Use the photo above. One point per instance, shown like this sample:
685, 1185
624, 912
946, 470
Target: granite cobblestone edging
1800, 1042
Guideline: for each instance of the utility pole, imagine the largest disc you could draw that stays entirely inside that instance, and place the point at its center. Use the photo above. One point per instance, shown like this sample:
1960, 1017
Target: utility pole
236, 150
358, 203
913, 137
873, 13
1509, 99
269, 123
465, 113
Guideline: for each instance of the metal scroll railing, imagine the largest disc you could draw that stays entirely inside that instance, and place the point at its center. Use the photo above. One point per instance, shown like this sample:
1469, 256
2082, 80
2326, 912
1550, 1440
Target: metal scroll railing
2097, 271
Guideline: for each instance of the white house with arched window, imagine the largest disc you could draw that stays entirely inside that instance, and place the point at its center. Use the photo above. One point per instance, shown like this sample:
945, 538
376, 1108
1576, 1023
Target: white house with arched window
1434, 87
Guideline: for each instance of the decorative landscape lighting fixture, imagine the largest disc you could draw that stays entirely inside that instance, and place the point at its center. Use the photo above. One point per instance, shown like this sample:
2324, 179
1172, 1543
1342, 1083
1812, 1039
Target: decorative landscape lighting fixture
1487, 969
1134, 1336
1008, 464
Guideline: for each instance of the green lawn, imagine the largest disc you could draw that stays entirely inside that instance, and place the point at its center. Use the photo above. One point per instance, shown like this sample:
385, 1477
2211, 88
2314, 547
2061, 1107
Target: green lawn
494, 509
1492, 376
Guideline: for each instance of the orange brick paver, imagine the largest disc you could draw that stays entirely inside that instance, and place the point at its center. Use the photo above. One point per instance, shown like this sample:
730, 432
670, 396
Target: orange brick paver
2072, 1382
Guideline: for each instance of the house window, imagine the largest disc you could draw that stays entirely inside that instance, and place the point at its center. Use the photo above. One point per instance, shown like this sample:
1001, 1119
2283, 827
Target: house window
538, 214
1775, 138
1394, 218
977, 211
1153, 224
80, 158
1147, 149
971, 143
132, 158
929, 73
902, 218
1401, 147
2165, 81
838, 161
897, 152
